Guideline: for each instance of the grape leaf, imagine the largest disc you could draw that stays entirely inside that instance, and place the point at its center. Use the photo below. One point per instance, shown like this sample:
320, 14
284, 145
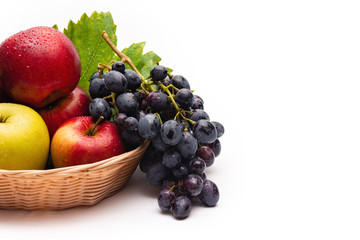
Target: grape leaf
134, 51
92, 49
86, 36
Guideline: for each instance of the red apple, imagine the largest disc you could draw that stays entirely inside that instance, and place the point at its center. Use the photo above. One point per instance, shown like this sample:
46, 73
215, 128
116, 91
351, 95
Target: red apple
80, 141
38, 66
73, 105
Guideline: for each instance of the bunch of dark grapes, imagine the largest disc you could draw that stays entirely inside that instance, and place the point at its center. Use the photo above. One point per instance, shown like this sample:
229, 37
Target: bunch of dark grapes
163, 110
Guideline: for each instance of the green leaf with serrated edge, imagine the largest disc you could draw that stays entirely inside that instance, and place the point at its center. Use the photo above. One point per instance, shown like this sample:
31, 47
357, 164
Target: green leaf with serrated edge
56, 27
143, 62
92, 49
134, 52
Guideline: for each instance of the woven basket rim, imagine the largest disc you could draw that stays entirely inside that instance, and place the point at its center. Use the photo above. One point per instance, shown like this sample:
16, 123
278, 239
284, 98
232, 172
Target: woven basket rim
77, 168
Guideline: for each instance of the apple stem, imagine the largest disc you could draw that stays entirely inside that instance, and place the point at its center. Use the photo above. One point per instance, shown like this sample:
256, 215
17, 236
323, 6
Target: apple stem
91, 133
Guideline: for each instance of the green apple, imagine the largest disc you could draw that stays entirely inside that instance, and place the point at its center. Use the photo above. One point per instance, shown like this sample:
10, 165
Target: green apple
24, 138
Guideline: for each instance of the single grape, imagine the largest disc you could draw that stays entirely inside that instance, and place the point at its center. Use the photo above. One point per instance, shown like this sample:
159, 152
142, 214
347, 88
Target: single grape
187, 146
220, 130
197, 165
158, 143
115, 81
149, 126
171, 132
180, 82
120, 119
184, 98
171, 111
132, 139
97, 88
127, 103
158, 73
165, 199
193, 184
181, 207
157, 101
197, 104
151, 156
215, 147
118, 66
199, 114
171, 158
205, 131
143, 105
99, 107
95, 75
203, 176
139, 96
206, 154
133, 79
199, 98
209, 195
157, 173
180, 171
167, 81
130, 123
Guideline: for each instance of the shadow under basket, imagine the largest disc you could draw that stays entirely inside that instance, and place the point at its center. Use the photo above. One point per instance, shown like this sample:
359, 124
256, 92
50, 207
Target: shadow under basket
67, 187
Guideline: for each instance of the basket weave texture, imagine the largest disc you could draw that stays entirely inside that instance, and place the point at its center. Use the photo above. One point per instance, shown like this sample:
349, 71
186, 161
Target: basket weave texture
67, 187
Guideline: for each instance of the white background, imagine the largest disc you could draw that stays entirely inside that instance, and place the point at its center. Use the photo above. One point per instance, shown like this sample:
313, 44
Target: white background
282, 76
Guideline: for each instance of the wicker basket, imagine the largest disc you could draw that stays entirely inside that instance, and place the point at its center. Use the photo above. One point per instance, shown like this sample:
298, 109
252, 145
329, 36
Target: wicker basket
67, 187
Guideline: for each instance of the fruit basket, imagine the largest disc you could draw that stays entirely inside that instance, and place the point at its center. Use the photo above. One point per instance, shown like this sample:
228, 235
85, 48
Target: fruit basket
159, 108
67, 187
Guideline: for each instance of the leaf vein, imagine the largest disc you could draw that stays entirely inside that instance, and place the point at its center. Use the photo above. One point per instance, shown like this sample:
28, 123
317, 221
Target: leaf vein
91, 59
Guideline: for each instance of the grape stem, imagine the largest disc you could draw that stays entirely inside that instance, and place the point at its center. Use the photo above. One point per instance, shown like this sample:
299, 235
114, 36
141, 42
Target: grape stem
107, 97
143, 87
124, 58
105, 66
113, 95
158, 115
179, 111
